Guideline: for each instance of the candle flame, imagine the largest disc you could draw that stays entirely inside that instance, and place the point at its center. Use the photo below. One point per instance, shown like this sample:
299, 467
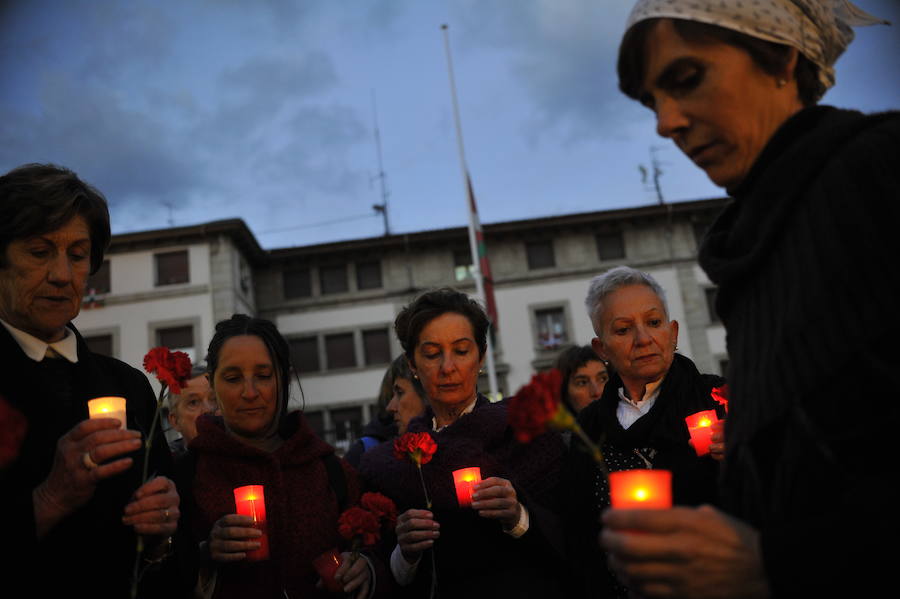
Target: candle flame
641, 494
705, 422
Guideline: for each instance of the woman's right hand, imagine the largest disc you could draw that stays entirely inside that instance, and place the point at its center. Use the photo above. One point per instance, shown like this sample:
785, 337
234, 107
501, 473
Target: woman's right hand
231, 537
90, 452
416, 532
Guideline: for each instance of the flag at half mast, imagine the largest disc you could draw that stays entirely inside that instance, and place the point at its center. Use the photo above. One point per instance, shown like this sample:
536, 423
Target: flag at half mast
484, 265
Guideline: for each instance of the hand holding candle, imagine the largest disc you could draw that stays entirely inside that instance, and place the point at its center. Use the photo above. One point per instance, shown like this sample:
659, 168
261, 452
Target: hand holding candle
108, 407
326, 566
250, 501
700, 428
465, 480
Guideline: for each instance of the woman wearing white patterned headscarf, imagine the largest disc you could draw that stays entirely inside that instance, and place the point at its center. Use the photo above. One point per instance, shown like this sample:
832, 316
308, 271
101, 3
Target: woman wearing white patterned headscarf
805, 263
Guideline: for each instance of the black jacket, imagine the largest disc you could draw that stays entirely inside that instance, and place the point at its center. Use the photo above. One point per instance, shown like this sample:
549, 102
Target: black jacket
70, 559
806, 263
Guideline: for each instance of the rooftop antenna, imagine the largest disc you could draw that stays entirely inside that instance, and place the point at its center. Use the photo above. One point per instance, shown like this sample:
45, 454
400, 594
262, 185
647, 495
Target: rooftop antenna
170, 208
383, 206
657, 171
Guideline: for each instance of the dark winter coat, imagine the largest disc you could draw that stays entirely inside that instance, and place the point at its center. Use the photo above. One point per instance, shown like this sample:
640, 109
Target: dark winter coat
53, 395
474, 557
806, 263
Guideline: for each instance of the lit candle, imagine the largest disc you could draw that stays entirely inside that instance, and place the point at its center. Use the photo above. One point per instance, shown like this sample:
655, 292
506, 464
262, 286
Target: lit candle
250, 501
326, 565
641, 489
465, 480
700, 427
108, 407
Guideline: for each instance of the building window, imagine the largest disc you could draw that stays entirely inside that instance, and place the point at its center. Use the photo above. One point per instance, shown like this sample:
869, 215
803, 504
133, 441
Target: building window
172, 268
305, 354
98, 283
550, 328
333, 278
100, 344
340, 351
376, 346
610, 245
463, 268
540, 254
347, 423
296, 282
711, 304
177, 338
368, 275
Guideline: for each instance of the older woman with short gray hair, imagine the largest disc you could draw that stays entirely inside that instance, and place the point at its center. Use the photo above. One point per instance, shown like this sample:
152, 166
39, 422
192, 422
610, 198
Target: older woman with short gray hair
639, 418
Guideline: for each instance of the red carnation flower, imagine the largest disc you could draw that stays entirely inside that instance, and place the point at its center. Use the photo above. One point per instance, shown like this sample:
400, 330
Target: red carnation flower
418, 447
171, 368
359, 525
13, 426
720, 394
383, 508
536, 406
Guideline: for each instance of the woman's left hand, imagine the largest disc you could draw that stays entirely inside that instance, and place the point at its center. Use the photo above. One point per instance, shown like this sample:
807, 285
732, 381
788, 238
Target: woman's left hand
355, 576
717, 447
153, 509
495, 497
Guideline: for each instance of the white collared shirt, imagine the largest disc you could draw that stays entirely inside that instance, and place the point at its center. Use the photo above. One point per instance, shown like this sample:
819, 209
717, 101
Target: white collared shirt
628, 410
37, 350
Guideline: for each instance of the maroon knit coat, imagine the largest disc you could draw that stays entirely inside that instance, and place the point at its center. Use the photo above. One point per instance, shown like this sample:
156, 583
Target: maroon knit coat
301, 507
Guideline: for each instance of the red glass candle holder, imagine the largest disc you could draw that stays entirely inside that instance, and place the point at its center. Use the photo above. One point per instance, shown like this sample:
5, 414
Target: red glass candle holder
465, 480
326, 565
641, 489
700, 427
250, 501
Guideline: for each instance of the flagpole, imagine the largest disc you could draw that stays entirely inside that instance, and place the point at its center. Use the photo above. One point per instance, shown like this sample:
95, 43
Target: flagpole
473, 241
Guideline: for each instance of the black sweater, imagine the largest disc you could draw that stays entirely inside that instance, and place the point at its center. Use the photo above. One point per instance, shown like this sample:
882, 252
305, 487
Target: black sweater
805, 260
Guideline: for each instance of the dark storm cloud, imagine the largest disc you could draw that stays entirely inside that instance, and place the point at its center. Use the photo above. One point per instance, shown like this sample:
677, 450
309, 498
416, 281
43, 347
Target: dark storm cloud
561, 57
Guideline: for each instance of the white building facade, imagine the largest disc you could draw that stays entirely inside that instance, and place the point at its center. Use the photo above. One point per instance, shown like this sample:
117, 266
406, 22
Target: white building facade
336, 302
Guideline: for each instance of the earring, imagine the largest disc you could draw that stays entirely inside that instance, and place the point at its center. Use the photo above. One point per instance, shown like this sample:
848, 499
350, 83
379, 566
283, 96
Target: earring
781, 83
481, 370
416, 375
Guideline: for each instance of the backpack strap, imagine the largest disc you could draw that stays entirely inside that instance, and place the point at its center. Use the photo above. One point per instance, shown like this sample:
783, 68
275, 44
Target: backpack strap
336, 479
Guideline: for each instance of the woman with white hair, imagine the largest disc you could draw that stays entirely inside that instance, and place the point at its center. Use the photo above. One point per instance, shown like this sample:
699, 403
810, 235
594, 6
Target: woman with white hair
639, 418
805, 264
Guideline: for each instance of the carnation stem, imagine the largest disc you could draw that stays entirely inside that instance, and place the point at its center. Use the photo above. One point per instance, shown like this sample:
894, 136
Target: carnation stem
139, 550
424, 488
592, 448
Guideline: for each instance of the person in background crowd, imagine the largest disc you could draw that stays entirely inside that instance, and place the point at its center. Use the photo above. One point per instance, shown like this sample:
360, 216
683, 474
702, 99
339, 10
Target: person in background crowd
639, 421
804, 259
508, 544
403, 399
584, 376
408, 399
72, 489
196, 398
257, 441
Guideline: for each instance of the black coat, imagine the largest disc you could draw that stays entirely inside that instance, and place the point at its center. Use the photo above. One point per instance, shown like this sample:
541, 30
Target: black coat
474, 557
806, 263
90, 552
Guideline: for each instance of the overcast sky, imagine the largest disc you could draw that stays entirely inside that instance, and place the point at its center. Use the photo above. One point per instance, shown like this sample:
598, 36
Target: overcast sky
192, 111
